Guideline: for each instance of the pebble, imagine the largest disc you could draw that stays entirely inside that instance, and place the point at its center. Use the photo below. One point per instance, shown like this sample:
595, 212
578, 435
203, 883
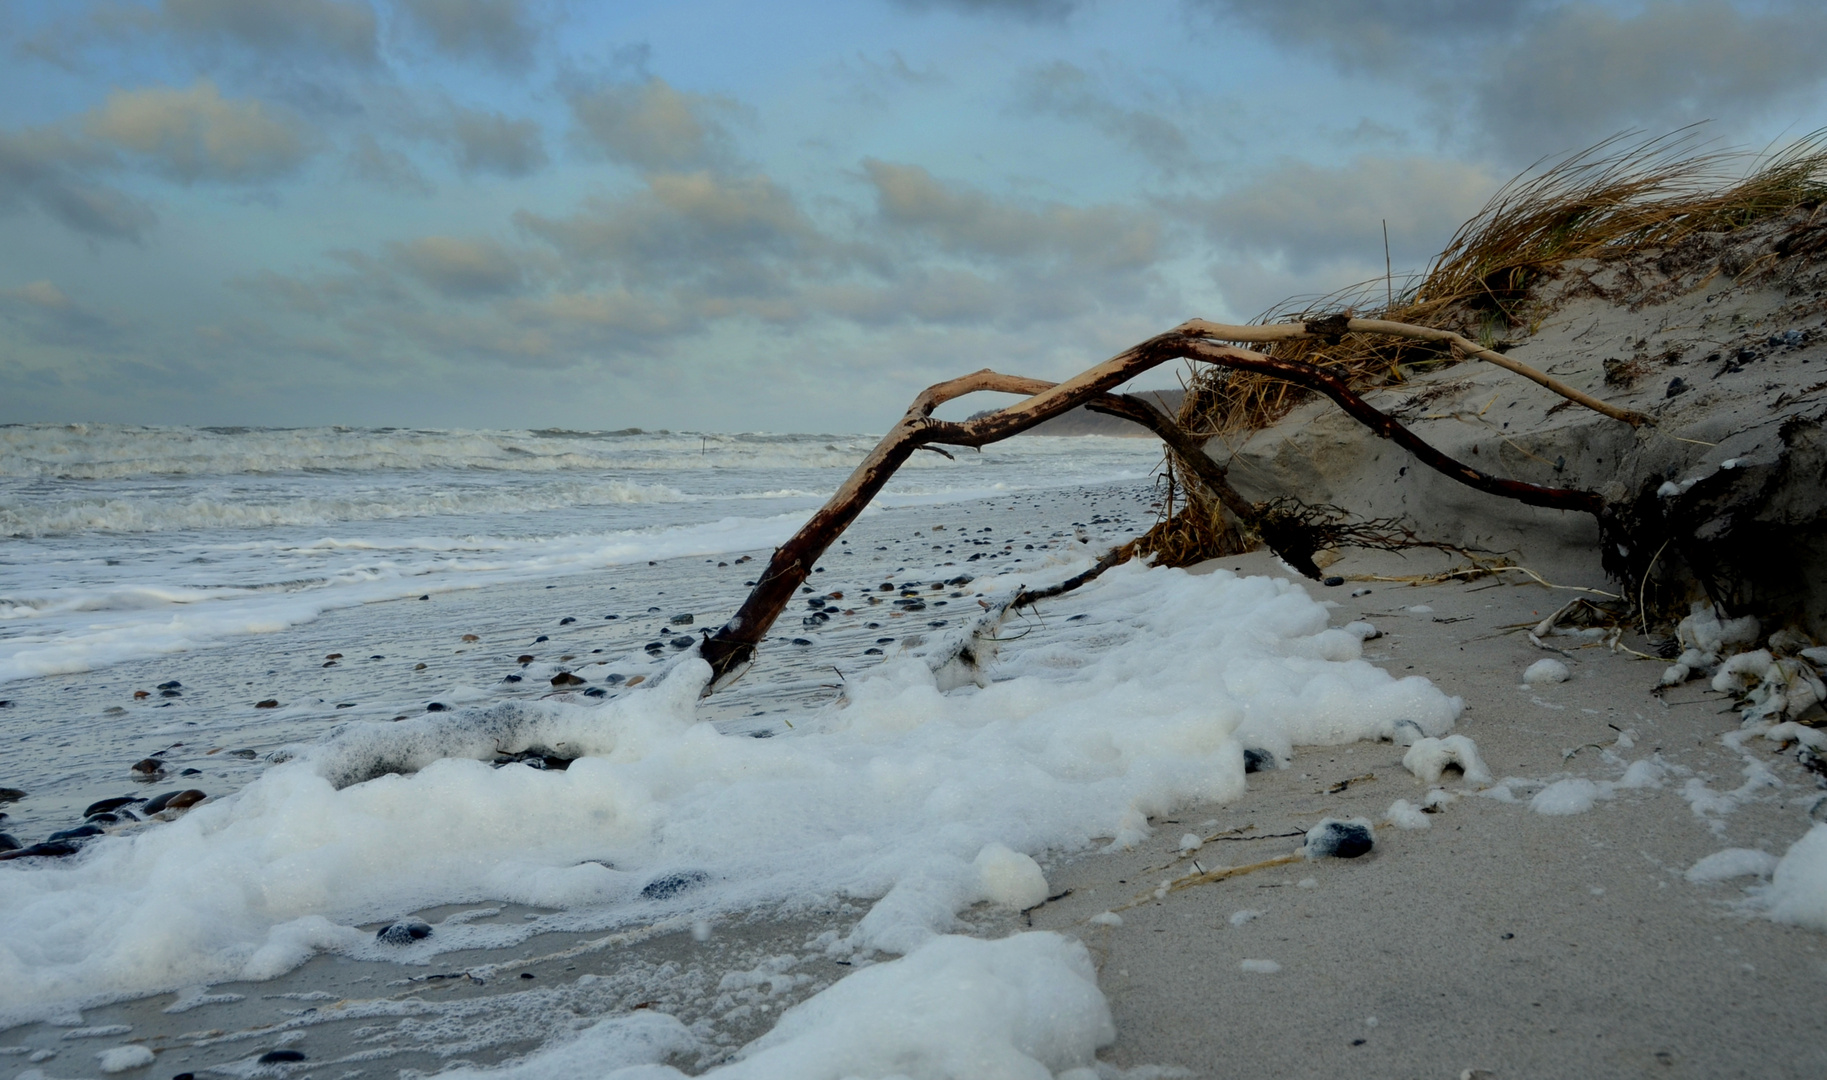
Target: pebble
1339, 839
510, 678
7, 843
171, 685
471, 637
141, 695
333, 656
104, 805
175, 800
566, 621
269, 703
436, 706
404, 932
10, 794
80, 832
671, 885
541, 638
148, 766
637, 680
524, 658
171, 693
51, 849
596, 691
1255, 761
681, 642
565, 678
274, 1056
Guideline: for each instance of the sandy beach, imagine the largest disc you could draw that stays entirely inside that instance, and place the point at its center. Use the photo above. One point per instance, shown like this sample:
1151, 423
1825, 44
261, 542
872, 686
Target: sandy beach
1497, 938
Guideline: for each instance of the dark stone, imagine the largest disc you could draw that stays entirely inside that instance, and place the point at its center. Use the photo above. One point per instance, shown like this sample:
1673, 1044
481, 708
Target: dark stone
172, 685
427, 596
50, 849
613, 679
961, 579
886, 586
682, 642
1677, 385
566, 621
273, 1057
801, 641
199, 772
78, 833
1339, 839
684, 618
655, 646
884, 641
541, 638
436, 706
243, 753
524, 658
565, 678
183, 800
105, 805
596, 691
159, 802
171, 693
872, 652
1334, 581
148, 766
269, 703
611, 616
185, 1076
404, 932
104, 819
662, 888
1255, 761
8, 843
510, 678
526, 974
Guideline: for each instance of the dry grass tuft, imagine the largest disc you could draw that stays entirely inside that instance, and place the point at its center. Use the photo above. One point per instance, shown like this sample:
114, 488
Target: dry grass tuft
1616, 199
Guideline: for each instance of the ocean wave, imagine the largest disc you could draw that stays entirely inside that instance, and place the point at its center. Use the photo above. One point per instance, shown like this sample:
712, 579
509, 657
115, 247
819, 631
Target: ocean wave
142, 515
118, 451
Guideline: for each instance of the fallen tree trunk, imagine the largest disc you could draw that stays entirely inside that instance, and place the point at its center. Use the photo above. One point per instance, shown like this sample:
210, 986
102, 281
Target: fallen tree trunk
732, 648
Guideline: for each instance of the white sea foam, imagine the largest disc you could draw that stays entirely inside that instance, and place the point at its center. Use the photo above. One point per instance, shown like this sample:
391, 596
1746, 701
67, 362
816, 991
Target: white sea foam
920, 801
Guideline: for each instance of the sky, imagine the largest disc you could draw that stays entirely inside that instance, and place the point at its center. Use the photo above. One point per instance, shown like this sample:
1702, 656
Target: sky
738, 216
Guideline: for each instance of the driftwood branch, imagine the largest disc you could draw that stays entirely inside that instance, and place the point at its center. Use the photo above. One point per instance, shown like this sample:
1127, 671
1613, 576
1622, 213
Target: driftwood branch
732, 647
1336, 326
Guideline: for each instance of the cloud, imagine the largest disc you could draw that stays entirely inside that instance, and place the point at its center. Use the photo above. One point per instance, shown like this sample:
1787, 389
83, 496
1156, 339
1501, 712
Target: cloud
1541, 77
653, 126
49, 170
1591, 72
737, 231
1309, 215
51, 318
1065, 90
383, 166
1031, 10
460, 269
968, 222
1301, 230
338, 29
497, 32
1373, 33
492, 143
198, 135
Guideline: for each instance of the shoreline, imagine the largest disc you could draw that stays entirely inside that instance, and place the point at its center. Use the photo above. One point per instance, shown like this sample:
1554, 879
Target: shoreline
1646, 973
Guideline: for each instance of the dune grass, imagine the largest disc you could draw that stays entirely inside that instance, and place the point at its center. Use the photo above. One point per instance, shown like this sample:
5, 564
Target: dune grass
1616, 199
1620, 198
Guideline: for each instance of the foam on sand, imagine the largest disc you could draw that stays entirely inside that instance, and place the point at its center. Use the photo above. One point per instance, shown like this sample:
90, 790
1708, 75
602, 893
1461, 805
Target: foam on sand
923, 801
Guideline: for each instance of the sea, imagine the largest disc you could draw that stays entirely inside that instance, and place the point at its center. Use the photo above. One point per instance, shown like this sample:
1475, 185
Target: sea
436, 697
